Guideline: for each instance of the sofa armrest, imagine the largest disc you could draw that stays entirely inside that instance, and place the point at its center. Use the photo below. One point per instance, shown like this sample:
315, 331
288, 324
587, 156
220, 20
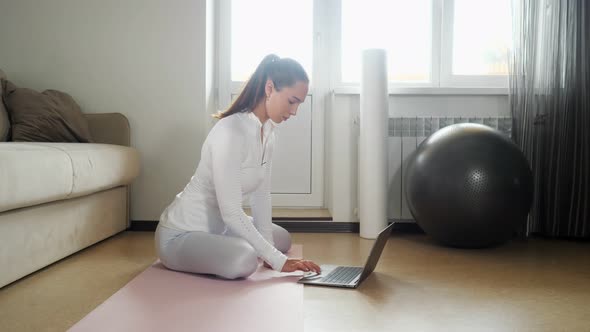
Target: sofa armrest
109, 128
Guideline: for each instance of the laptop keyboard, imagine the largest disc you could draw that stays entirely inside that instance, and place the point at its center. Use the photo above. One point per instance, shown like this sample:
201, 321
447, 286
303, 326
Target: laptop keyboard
342, 275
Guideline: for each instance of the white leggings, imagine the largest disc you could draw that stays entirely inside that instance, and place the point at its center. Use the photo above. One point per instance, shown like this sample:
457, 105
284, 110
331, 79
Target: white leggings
225, 256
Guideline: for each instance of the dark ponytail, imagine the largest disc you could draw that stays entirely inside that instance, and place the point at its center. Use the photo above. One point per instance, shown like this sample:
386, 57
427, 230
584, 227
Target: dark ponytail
283, 72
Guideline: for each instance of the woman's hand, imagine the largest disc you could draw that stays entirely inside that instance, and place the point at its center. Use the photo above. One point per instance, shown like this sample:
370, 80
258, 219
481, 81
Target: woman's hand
292, 265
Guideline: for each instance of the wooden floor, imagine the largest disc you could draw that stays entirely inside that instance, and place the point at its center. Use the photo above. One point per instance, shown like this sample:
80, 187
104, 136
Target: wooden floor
532, 285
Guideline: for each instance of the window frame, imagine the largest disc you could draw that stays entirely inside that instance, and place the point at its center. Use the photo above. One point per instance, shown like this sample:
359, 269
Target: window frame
447, 78
326, 57
347, 87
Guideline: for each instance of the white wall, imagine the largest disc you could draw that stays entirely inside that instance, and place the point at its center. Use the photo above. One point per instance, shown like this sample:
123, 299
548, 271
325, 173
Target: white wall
148, 59
343, 130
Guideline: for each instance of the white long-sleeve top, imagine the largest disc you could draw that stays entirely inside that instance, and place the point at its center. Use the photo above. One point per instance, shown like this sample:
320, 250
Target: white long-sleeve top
235, 166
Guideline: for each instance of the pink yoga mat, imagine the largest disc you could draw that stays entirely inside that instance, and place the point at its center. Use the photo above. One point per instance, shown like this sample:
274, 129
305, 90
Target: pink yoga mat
159, 299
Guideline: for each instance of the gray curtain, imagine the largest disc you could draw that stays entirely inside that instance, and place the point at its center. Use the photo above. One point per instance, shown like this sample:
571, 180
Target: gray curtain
549, 101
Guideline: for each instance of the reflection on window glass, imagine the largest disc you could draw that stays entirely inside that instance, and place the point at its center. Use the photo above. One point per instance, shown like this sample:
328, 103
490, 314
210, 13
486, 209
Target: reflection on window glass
261, 27
481, 37
401, 27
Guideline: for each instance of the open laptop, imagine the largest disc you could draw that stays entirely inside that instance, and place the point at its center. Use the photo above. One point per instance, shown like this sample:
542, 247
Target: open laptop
349, 276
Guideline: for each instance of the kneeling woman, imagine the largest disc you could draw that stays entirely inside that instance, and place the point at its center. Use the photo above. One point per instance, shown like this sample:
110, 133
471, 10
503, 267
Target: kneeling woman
205, 230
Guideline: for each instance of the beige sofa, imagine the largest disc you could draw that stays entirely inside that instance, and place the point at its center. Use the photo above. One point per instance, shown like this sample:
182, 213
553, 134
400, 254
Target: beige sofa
58, 198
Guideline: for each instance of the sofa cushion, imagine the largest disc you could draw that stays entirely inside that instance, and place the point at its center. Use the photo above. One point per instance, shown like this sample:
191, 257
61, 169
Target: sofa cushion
35, 173
32, 174
98, 167
50, 116
4, 123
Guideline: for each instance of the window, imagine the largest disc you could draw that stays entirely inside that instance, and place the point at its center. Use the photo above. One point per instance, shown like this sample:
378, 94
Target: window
475, 43
481, 37
258, 28
430, 43
402, 27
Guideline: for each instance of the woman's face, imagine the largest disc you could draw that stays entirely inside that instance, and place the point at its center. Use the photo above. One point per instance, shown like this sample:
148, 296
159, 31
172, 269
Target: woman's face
281, 105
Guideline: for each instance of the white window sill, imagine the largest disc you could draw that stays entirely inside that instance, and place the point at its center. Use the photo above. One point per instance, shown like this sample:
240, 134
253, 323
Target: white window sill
355, 90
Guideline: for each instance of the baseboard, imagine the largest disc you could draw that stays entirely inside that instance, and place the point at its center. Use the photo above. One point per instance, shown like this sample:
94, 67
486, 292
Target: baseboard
403, 226
301, 219
318, 226
143, 225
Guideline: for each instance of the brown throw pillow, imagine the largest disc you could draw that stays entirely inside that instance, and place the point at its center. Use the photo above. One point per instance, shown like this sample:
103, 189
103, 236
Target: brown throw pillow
4, 121
50, 116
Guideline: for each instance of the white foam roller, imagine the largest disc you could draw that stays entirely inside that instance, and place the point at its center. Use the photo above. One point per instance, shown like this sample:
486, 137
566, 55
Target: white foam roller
374, 114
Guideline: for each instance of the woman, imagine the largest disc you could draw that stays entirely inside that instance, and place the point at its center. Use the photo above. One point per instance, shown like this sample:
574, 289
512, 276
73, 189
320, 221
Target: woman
205, 229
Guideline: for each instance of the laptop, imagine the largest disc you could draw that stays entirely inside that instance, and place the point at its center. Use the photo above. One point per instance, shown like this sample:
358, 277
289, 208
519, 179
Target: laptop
349, 276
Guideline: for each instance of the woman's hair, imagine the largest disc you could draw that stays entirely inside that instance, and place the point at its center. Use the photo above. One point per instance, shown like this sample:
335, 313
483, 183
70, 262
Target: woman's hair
282, 72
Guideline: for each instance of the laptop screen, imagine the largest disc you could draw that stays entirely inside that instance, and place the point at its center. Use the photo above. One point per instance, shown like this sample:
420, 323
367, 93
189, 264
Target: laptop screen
376, 252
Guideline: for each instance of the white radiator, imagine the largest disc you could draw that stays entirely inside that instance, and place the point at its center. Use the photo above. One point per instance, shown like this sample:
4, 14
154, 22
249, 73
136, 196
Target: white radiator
405, 134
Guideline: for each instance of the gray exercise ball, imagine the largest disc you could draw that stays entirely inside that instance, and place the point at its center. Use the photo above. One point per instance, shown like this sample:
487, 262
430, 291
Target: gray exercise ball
468, 185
